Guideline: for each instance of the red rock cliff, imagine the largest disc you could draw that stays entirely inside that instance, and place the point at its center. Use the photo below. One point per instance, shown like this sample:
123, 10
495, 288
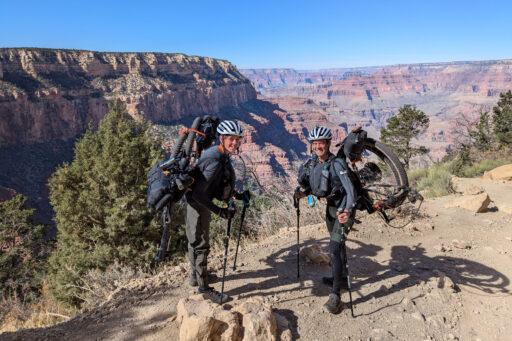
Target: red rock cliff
54, 94
369, 96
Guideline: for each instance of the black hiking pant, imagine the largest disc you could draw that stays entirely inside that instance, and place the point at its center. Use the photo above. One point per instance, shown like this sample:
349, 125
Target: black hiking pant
198, 235
337, 250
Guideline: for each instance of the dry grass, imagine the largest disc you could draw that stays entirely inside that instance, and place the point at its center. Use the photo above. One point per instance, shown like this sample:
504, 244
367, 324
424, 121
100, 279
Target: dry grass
17, 313
97, 285
431, 182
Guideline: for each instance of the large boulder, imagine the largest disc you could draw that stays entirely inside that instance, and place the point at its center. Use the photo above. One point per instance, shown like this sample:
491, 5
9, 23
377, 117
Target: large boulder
250, 320
503, 173
259, 324
473, 190
316, 254
203, 320
457, 185
477, 203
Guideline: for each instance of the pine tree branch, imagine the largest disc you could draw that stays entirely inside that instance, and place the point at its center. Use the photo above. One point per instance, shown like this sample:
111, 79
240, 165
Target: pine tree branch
95, 221
58, 315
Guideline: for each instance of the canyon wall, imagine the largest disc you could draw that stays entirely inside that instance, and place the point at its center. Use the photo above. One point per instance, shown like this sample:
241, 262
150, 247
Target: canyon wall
54, 94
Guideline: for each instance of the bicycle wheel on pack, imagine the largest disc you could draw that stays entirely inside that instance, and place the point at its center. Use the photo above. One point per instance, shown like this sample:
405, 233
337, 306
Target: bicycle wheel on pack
382, 175
192, 135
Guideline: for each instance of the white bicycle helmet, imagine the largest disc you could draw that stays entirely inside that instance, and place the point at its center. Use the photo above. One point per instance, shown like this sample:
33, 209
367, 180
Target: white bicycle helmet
320, 133
230, 128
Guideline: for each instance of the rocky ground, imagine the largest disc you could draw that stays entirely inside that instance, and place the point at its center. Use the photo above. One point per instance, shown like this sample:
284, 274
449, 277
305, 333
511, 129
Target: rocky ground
445, 276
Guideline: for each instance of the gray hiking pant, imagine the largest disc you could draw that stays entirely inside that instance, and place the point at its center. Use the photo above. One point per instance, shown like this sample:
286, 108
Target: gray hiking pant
198, 234
337, 249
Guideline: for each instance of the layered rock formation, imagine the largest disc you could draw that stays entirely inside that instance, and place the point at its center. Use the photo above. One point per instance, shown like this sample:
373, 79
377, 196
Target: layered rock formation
54, 94
369, 96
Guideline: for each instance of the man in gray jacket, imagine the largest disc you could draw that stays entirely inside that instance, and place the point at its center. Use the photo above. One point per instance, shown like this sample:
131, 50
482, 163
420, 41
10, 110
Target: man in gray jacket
215, 178
325, 176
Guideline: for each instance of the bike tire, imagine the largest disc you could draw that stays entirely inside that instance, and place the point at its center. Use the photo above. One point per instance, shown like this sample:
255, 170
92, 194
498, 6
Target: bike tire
396, 179
192, 135
179, 144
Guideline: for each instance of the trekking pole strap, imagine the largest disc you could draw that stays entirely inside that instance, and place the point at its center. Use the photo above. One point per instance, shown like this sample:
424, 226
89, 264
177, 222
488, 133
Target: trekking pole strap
184, 131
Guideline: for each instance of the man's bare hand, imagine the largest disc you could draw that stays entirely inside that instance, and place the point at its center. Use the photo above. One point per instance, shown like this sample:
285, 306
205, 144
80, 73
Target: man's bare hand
343, 216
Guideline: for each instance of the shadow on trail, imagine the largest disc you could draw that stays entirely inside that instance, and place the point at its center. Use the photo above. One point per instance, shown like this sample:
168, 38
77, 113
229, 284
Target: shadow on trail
416, 266
281, 271
408, 265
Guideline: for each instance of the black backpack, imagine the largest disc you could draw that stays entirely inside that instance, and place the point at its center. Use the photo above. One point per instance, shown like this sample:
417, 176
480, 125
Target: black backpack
352, 148
167, 183
207, 132
169, 180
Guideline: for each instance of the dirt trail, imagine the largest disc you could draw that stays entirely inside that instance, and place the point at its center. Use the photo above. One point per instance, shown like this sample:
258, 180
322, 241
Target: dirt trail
401, 280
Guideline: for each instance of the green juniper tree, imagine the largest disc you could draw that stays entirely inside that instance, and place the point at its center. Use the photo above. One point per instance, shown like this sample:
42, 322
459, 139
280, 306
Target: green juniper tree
482, 134
401, 129
21, 248
502, 119
100, 202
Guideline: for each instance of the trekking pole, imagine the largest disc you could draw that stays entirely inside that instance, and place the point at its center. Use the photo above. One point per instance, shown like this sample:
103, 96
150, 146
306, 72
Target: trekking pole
246, 204
348, 281
297, 208
166, 220
226, 244
350, 295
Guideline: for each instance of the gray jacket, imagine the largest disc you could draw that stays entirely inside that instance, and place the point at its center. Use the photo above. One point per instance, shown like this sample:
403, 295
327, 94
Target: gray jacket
339, 181
214, 178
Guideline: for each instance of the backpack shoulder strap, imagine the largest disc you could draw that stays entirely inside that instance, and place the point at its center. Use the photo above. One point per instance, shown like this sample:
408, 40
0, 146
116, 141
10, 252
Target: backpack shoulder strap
311, 162
339, 165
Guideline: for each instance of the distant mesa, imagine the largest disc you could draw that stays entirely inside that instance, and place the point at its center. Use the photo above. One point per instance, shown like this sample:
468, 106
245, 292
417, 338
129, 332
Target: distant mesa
368, 96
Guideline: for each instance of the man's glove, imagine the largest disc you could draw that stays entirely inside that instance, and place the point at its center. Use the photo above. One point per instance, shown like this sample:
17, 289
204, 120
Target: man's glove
245, 196
227, 212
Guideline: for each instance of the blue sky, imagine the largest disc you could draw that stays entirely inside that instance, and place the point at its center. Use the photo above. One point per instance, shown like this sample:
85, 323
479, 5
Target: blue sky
255, 34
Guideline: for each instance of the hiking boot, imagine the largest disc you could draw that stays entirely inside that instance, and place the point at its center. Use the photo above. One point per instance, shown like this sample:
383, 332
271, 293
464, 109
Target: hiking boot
213, 295
212, 278
329, 281
333, 304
